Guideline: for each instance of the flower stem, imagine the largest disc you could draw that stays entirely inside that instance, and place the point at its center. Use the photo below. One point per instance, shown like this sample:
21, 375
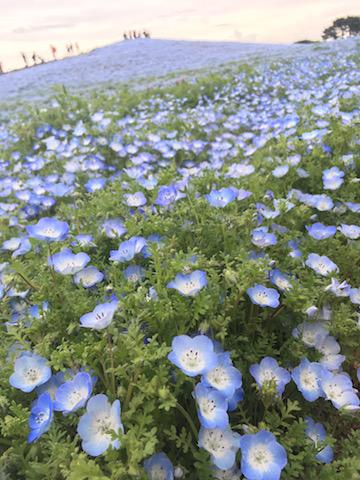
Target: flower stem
188, 418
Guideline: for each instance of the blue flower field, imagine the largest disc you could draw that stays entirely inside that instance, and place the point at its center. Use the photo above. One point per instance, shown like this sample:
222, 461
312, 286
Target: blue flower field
180, 275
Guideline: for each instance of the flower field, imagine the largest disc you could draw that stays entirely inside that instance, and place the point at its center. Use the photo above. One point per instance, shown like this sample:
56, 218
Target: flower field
180, 277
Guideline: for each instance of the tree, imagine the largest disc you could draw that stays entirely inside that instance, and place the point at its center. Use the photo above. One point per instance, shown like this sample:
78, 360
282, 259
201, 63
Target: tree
342, 28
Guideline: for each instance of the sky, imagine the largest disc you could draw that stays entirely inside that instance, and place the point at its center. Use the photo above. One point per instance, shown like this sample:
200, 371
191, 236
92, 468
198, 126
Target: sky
32, 25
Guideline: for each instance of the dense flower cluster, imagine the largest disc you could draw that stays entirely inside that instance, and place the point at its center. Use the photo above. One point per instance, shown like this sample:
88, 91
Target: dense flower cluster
192, 253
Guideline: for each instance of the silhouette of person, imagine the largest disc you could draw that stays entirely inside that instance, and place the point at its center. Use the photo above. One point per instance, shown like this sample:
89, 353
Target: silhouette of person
25, 59
77, 47
1, 68
34, 58
53, 51
125, 36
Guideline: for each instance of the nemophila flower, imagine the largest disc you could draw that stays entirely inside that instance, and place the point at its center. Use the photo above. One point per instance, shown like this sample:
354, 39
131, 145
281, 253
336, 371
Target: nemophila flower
268, 371
101, 316
321, 264
134, 273
41, 416
98, 424
330, 348
224, 377
189, 285
243, 194
320, 231
322, 203
166, 195
350, 231
264, 297
353, 207
194, 356
280, 171
17, 245
262, 457
221, 198
88, 277
332, 178
280, 280
136, 199
317, 433
95, 184
339, 289
49, 230
312, 334
52, 384
113, 228
73, 394
83, 240
338, 388
68, 263
222, 444
128, 249
354, 295
159, 467
262, 239
30, 371
307, 377
212, 407
235, 399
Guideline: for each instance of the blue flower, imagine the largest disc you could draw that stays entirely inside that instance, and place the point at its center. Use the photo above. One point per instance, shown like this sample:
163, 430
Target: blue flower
280, 171
262, 457
189, 285
280, 280
332, 178
49, 230
113, 228
88, 277
95, 184
30, 371
159, 467
268, 371
307, 377
128, 249
354, 295
134, 273
17, 245
221, 198
235, 399
212, 409
73, 394
339, 289
68, 263
262, 239
222, 444
136, 199
338, 388
166, 195
194, 356
350, 231
320, 231
40, 417
224, 377
97, 425
264, 297
321, 264
316, 432
100, 317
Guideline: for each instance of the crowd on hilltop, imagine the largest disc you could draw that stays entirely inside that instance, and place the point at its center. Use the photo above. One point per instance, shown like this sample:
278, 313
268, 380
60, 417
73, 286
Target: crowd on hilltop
30, 60
133, 34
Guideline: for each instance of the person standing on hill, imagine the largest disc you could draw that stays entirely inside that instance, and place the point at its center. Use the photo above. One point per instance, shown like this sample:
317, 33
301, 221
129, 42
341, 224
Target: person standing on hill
25, 59
53, 51
1, 69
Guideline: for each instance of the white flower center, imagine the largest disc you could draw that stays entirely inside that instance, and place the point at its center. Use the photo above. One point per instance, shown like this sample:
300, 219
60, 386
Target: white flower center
192, 360
218, 377
309, 379
216, 443
32, 375
260, 458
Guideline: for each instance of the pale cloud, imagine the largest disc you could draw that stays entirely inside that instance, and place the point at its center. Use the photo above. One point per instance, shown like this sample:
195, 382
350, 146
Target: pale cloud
28, 25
